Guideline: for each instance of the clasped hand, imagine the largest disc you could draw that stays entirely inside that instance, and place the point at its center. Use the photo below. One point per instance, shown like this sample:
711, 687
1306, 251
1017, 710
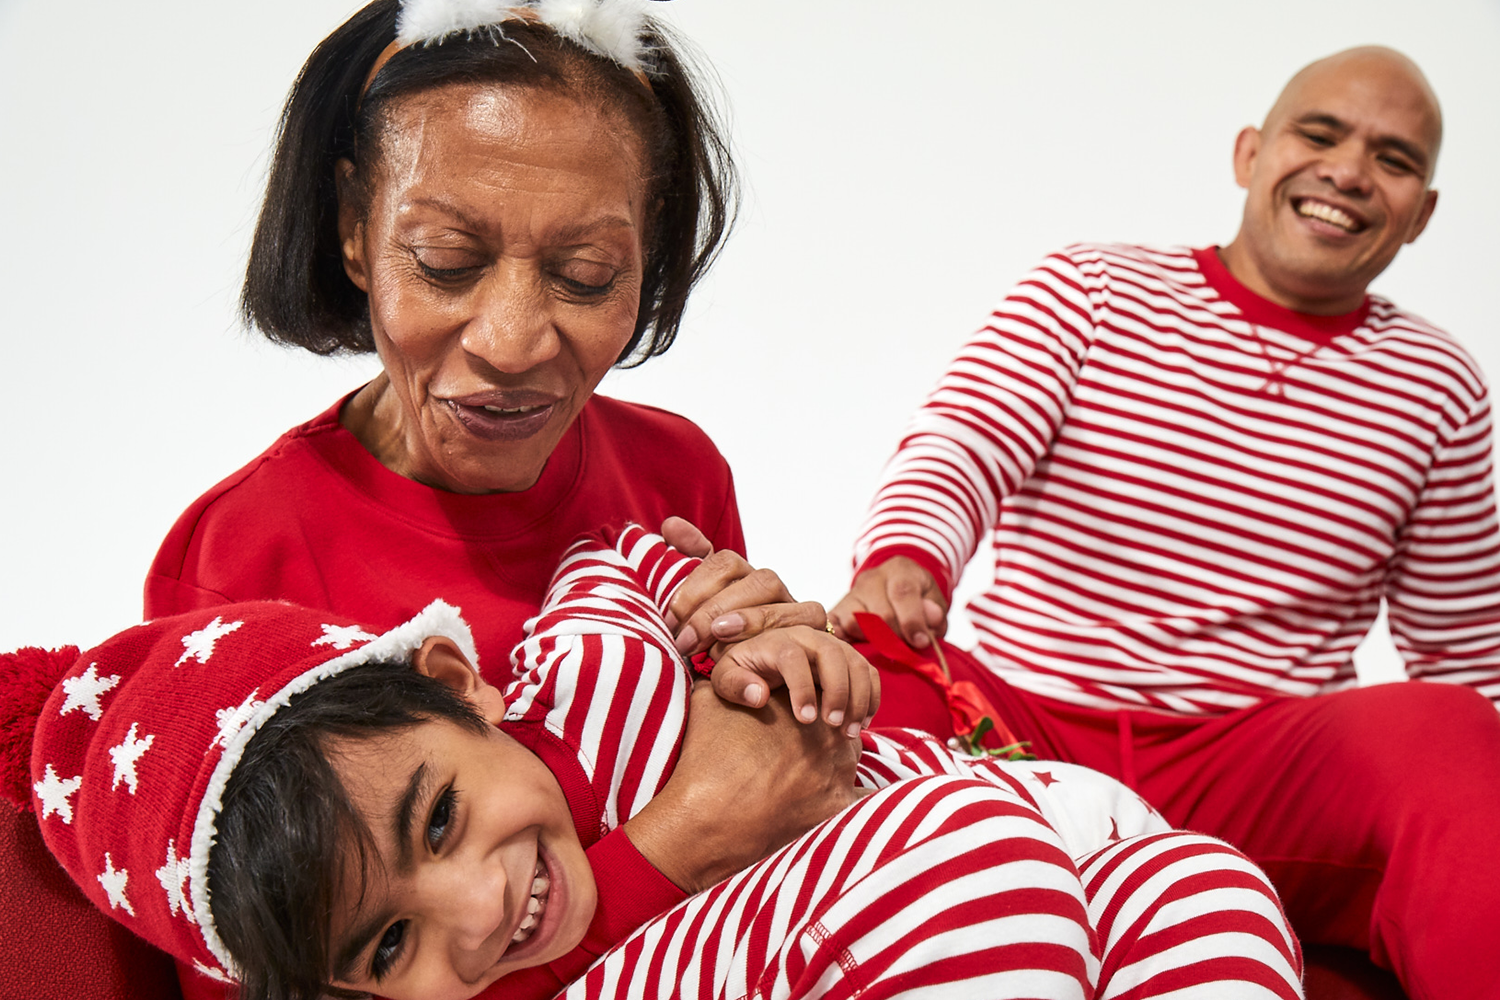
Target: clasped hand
761, 639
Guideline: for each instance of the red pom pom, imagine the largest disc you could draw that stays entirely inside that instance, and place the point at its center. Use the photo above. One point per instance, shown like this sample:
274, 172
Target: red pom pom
27, 678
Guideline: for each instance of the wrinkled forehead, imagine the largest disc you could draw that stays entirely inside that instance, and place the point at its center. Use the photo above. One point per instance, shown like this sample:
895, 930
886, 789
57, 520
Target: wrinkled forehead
1375, 89
552, 125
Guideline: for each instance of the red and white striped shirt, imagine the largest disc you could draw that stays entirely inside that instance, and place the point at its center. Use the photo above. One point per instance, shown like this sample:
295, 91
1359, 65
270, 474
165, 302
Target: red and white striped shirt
1199, 497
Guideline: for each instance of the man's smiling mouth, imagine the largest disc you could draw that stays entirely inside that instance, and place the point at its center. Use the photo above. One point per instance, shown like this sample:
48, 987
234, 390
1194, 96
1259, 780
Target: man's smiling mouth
1324, 212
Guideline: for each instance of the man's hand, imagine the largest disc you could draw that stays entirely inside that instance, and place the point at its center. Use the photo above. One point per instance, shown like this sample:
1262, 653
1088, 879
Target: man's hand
902, 593
748, 782
726, 599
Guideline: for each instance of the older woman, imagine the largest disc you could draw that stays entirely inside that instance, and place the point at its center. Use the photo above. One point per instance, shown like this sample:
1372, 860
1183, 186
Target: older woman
503, 212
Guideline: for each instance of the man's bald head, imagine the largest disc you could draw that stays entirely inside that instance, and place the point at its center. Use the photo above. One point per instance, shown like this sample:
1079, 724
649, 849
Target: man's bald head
1338, 179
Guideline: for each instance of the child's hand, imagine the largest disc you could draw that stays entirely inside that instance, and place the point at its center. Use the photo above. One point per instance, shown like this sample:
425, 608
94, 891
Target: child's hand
806, 660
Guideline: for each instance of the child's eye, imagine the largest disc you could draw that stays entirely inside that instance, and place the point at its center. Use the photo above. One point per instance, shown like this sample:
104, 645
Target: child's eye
388, 950
442, 816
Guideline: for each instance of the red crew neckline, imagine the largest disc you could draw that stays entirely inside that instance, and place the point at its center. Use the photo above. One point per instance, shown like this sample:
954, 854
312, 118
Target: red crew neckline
1263, 312
467, 514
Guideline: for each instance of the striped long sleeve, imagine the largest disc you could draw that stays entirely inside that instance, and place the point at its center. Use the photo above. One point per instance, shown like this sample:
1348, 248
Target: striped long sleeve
599, 670
1198, 498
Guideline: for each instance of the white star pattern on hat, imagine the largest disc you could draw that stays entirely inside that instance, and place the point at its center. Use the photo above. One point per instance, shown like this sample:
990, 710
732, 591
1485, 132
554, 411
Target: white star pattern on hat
125, 756
199, 645
114, 885
342, 636
85, 690
53, 792
232, 720
171, 876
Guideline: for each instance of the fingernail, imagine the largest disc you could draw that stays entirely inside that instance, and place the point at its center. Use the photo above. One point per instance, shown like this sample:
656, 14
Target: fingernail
807, 713
922, 640
853, 731
754, 693
835, 717
671, 621
687, 640
729, 625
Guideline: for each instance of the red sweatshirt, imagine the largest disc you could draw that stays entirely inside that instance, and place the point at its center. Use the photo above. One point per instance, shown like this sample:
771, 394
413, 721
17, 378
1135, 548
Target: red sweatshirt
317, 520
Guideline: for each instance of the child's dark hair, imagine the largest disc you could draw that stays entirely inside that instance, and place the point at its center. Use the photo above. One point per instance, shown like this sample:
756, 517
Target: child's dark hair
288, 826
296, 291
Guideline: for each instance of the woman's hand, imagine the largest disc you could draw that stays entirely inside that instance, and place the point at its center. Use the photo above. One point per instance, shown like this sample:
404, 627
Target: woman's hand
901, 592
726, 599
815, 667
748, 781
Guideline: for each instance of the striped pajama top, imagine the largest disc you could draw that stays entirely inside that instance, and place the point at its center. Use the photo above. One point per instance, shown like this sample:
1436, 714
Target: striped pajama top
1198, 498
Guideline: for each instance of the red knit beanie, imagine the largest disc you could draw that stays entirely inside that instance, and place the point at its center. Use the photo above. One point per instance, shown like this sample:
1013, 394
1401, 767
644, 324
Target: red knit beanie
136, 742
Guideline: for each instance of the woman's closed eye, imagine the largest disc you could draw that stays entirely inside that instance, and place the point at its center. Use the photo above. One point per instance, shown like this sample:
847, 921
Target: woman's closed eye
585, 278
444, 266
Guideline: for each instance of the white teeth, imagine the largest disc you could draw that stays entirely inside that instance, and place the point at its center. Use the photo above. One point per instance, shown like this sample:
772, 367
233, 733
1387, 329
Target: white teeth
1326, 213
536, 904
511, 410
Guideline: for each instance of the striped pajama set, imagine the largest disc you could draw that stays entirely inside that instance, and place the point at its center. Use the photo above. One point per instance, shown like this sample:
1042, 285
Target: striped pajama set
1198, 500
953, 876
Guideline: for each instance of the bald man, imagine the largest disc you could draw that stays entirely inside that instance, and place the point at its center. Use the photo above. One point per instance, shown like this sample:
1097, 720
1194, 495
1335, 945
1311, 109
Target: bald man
1202, 470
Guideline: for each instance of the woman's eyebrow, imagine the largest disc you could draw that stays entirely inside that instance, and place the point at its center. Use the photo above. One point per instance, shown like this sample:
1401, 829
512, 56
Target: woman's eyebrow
581, 231
444, 206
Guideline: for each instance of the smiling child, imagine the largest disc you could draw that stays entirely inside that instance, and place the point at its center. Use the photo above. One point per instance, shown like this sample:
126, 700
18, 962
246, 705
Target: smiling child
283, 797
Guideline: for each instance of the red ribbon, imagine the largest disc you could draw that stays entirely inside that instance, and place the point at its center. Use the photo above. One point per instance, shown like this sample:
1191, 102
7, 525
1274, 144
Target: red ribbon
967, 705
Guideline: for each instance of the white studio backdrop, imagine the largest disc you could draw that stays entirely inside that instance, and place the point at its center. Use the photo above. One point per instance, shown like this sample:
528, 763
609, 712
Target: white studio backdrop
903, 163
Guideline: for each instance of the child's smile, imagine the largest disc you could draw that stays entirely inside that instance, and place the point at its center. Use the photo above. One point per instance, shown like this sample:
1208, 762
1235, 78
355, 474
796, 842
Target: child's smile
472, 869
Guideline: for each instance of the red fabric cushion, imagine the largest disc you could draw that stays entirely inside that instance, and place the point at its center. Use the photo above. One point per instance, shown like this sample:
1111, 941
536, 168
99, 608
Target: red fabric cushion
65, 947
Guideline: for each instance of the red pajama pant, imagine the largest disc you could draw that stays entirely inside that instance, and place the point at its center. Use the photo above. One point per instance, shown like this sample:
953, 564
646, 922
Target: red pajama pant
1375, 811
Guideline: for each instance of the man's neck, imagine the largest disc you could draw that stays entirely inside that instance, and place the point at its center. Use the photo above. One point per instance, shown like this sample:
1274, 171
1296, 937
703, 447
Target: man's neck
1246, 271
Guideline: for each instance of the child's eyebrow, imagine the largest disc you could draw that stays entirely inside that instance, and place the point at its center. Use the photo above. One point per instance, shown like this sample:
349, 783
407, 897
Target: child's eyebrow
354, 945
416, 789
364, 934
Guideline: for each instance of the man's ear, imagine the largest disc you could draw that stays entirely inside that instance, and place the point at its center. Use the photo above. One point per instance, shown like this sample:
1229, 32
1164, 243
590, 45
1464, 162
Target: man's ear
1429, 205
440, 658
1246, 146
351, 225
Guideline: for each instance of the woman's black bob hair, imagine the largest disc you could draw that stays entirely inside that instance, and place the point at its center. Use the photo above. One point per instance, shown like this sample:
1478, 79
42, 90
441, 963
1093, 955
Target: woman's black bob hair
296, 291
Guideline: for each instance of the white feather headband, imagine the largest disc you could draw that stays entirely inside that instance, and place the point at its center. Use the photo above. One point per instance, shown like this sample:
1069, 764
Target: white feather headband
610, 28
